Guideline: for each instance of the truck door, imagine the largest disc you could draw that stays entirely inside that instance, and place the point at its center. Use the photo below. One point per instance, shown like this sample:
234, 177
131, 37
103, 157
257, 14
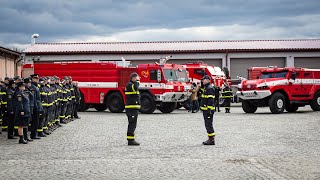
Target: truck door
307, 84
295, 86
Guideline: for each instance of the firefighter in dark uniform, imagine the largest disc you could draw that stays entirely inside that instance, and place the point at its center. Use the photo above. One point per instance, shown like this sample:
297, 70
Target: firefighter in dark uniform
207, 107
44, 104
59, 100
73, 98
64, 102
1, 85
37, 106
132, 107
227, 96
3, 92
77, 100
28, 90
47, 123
22, 111
10, 108
217, 90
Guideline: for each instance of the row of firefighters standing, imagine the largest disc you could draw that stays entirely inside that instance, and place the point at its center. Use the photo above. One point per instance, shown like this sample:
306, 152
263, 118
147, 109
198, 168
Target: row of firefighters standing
37, 105
207, 106
197, 91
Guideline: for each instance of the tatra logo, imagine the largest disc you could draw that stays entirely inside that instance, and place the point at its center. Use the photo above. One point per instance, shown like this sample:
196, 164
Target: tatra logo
248, 86
145, 74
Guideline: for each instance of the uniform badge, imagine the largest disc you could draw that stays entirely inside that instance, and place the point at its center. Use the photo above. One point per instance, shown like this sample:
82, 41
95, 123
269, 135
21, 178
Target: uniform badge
9, 96
19, 98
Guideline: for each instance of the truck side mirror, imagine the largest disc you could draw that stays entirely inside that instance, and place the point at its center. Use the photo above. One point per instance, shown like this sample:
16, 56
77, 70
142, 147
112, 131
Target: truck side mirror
159, 76
293, 76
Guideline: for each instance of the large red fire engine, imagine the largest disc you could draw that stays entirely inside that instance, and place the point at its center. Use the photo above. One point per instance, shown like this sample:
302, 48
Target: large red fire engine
102, 84
280, 89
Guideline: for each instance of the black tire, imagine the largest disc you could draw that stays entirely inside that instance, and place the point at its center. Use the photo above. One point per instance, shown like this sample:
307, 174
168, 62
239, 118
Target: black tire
292, 108
100, 107
315, 103
115, 102
148, 105
277, 103
82, 106
179, 105
167, 107
248, 107
186, 104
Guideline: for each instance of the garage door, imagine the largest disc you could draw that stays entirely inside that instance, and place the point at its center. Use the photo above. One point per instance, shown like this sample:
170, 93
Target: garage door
212, 62
307, 62
239, 66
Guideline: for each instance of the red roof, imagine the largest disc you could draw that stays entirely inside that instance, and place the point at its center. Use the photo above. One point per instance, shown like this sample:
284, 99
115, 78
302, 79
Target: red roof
175, 46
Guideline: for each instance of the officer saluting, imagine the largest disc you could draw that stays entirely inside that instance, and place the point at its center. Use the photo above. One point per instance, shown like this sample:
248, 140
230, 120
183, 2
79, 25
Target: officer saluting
207, 106
132, 107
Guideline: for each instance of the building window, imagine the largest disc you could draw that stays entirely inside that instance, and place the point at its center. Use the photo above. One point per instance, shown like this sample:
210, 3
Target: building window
200, 72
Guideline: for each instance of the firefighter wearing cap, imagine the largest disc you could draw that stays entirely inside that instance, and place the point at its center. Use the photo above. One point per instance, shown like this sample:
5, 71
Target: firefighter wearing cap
207, 107
59, 100
77, 100
73, 98
31, 95
42, 129
69, 98
37, 106
64, 102
132, 107
53, 91
47, 125
227, 95
10, 108
22, 111
3, 101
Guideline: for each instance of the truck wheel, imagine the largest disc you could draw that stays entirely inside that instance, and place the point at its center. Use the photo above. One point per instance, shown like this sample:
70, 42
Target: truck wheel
82, 106
148, 105
179, 105
315, 103
100, 107
115, 102
248, 107
167, 107
277, 103
186, 104
292, 108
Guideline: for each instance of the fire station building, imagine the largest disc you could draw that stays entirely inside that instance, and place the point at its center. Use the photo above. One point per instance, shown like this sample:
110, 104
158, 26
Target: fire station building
237, 56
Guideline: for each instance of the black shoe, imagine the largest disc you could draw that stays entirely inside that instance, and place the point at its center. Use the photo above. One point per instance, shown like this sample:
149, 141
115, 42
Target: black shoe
210, 141
35, 137
25, 135
12, 137
46, 132
218, 110
22, 141
133, 143
77, 117
41, 134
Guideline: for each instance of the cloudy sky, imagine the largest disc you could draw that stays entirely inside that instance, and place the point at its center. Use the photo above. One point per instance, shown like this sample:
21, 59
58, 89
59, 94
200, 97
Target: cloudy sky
156, 20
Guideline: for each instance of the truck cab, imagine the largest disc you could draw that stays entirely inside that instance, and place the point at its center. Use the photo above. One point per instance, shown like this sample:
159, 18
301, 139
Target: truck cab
281, 89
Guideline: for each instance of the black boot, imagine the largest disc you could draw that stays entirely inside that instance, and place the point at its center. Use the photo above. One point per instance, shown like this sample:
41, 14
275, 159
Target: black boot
210, 141
25, 135
46, 132
133, 142
41, 134
22, 141
35, 136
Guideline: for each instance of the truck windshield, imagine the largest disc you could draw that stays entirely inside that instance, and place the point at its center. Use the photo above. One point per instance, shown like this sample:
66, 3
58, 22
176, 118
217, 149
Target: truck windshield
266, 75
175, 75
182, 75
170, 75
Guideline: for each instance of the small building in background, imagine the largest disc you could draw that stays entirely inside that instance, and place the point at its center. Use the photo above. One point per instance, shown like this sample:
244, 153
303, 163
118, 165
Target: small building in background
9, 63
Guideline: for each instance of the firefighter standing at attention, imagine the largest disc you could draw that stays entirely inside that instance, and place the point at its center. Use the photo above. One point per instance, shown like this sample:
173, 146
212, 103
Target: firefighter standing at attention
207, 107
227, 96
132, 107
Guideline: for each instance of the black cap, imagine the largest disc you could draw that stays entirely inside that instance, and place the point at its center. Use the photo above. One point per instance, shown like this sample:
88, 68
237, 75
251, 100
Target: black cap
16, 78
42, 79
27, 80
19, 84
34, 76
206, 77
11, 81
134, 74
6, 78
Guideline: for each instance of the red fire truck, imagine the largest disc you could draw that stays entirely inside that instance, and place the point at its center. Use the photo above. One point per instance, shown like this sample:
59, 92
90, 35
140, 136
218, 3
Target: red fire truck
281, 89
102, 84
